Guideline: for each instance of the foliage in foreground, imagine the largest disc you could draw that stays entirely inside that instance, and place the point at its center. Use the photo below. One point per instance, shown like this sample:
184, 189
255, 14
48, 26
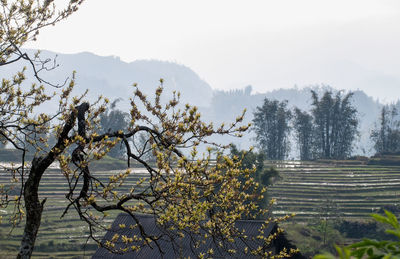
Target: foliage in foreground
369, 248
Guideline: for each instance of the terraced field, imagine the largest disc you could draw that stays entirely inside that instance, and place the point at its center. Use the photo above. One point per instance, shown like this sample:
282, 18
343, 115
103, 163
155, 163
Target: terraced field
355, 191
58, 237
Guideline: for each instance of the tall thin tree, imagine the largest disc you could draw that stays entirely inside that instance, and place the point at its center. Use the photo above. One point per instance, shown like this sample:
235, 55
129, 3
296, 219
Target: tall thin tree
303, 126
386, 136
336, 122
271, 124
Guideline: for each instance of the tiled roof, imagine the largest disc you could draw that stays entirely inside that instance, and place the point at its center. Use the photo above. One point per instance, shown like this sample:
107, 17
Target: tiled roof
183, 248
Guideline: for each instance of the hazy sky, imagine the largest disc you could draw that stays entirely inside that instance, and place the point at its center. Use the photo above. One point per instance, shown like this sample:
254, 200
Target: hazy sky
230, 43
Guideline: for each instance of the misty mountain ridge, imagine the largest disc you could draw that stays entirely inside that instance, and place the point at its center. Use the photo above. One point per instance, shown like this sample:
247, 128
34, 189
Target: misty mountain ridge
113, 78
339, 73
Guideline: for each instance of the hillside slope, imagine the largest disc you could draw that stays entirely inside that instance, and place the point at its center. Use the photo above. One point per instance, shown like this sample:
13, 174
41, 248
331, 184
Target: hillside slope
111, 77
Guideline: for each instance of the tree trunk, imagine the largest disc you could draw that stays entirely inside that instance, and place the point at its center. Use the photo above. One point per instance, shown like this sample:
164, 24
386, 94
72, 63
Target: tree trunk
34, 209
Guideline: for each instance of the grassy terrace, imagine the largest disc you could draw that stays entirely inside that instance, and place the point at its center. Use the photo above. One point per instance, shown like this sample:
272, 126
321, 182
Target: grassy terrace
354, 190
58, 237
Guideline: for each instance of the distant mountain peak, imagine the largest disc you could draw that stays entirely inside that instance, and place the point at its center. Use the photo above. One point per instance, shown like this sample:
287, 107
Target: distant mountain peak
113, 78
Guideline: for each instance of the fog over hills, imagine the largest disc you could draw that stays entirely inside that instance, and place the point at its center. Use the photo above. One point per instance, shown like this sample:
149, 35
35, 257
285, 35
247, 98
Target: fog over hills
345, 74
113, 78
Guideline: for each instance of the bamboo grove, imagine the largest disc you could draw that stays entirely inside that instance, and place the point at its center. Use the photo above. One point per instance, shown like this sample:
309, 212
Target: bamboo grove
327, 131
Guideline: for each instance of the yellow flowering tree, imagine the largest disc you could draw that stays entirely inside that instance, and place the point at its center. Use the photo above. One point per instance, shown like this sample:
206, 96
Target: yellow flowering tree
20, 22
187, 192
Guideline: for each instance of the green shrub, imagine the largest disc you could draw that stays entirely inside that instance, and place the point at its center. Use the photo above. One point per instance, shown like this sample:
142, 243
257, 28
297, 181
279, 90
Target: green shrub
369, 248
357, 229
309, 238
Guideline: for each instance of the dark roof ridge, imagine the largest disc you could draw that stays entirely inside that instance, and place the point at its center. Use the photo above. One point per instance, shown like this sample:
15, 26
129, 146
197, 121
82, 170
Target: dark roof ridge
122, 214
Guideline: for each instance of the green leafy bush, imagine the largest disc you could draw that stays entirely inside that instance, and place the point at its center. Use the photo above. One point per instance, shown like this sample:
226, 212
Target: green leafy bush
309, 238
358, 229
369, 248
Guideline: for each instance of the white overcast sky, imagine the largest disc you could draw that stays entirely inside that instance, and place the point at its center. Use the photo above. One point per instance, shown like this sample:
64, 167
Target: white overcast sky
233, 43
